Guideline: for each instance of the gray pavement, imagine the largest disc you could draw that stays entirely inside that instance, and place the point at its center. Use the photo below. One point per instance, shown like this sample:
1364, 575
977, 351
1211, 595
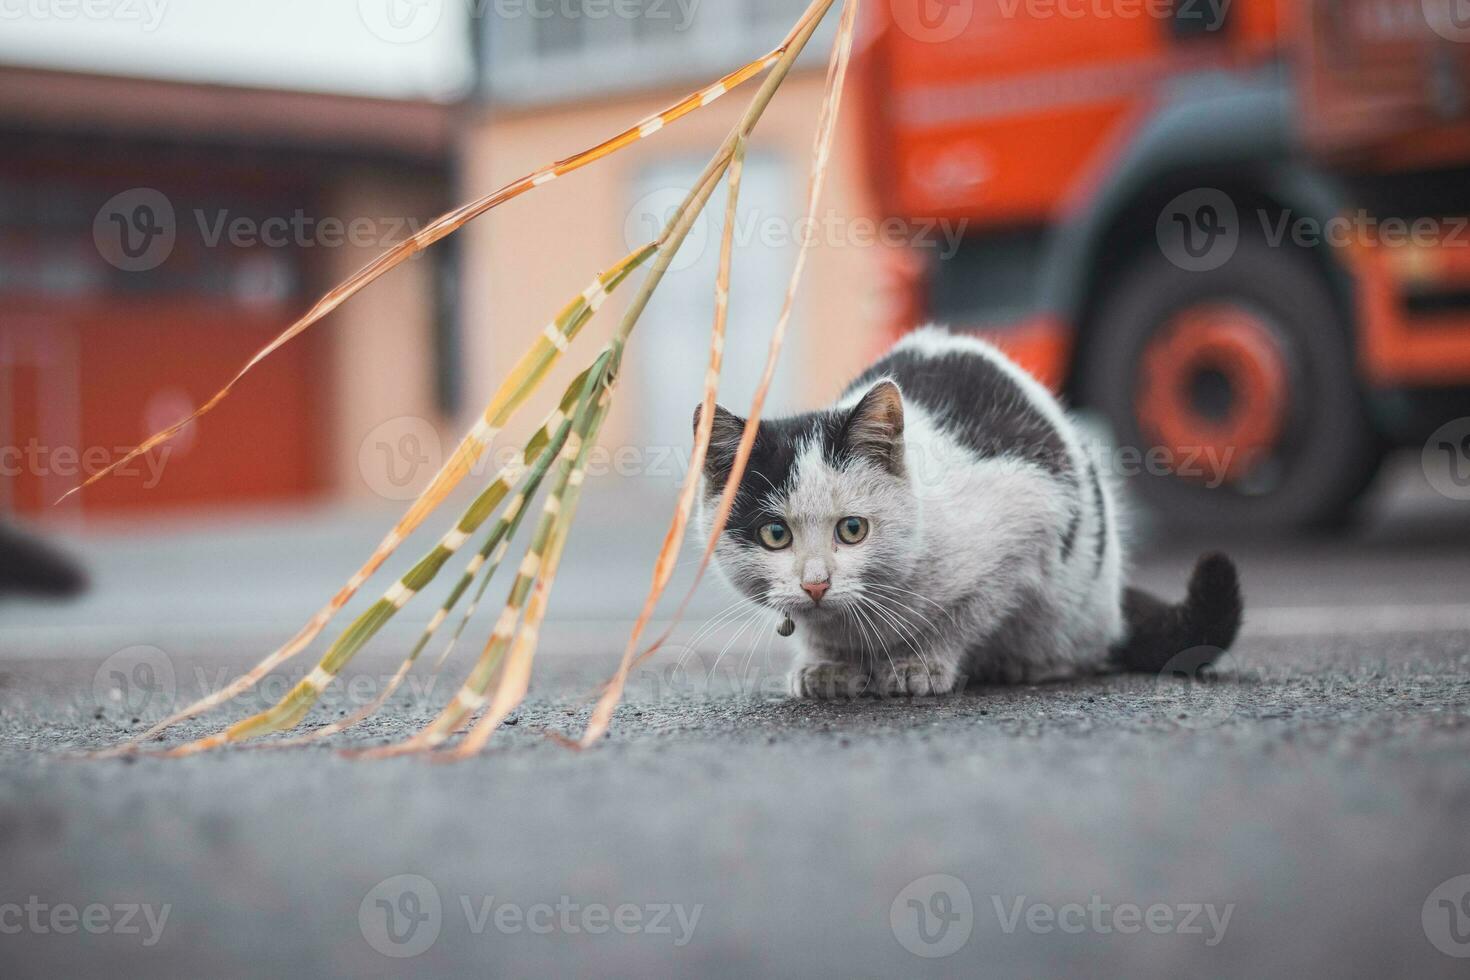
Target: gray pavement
1304, 813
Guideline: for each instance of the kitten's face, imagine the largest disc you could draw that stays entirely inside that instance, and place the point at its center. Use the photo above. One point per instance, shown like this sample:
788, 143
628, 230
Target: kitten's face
825, 509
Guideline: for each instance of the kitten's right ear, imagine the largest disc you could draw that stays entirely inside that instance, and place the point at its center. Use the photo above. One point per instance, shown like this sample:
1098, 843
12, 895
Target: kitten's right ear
724, 441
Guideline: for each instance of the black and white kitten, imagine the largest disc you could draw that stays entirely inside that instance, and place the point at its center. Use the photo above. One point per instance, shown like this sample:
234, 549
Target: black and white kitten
942, 523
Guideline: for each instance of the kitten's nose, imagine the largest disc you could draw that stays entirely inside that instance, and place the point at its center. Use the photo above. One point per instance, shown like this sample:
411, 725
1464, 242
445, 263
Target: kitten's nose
815, 589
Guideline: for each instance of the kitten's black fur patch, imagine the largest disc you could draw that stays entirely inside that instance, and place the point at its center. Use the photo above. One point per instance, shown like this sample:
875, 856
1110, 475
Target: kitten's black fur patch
977, 402
1100, 504
1069, 537
871, 429
1202, 626
772, 465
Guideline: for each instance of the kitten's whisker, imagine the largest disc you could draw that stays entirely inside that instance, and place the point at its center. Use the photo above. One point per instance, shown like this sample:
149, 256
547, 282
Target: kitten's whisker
882, 646
898, 610
902, 632
727, 619
749, 621
755, 641
895, 625
891, 588
897, 591
862, 630
754, 472
743, 601
868, 658
716, 622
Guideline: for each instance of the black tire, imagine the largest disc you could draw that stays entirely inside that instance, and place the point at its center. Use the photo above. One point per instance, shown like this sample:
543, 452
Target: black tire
1326, 453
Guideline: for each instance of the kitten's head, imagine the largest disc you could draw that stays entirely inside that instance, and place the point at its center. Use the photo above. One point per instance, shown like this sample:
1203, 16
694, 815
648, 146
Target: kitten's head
825, 508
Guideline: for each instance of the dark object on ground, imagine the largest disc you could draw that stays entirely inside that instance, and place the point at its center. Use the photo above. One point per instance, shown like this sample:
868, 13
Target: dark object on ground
28, 566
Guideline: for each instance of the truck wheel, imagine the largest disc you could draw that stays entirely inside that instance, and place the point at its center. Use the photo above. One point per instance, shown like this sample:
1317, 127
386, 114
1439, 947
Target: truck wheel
1231, 393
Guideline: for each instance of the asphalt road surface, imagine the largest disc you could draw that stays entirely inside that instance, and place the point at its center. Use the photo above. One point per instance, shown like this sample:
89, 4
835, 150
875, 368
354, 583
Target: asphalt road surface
1305, 813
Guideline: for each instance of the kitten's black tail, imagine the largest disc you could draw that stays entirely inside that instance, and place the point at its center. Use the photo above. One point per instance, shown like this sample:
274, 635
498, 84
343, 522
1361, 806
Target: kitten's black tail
29, 567
1204, 624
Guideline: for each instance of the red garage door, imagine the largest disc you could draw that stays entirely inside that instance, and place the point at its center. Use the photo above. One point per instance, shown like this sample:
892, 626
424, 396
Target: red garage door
82, 383
95, 354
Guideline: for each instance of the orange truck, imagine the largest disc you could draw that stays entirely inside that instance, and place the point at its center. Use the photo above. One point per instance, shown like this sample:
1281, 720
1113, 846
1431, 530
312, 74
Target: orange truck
1235, 229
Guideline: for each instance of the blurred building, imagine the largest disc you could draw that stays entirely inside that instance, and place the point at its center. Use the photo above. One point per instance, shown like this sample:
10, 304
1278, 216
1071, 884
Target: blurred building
175, 193
177, 185
556, 84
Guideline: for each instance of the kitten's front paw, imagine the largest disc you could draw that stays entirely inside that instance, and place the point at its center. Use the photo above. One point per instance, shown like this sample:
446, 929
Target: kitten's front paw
914, 678
830, 680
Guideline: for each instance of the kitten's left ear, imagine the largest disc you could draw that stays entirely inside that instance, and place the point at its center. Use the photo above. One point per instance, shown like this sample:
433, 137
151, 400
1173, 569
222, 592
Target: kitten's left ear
875, 427
725, 434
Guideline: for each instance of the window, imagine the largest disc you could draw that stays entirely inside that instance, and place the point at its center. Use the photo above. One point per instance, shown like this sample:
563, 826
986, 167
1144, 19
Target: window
548, 50
673, 337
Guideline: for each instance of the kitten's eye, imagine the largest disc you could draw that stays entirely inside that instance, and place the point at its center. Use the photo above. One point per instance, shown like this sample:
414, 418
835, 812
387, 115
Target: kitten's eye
775, 535
851, 530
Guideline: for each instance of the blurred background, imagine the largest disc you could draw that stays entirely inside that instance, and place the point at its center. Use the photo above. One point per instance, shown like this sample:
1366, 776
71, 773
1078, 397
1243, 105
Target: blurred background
1232, 232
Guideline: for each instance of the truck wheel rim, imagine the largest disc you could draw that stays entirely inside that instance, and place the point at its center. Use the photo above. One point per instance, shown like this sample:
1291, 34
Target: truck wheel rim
1213, 392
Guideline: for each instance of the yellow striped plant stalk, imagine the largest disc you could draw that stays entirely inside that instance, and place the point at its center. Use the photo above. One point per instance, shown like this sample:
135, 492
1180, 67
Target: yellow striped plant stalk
559, 447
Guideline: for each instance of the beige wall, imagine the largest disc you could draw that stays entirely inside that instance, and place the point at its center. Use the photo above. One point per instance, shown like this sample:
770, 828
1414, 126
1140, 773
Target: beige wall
526, 259
381, 346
